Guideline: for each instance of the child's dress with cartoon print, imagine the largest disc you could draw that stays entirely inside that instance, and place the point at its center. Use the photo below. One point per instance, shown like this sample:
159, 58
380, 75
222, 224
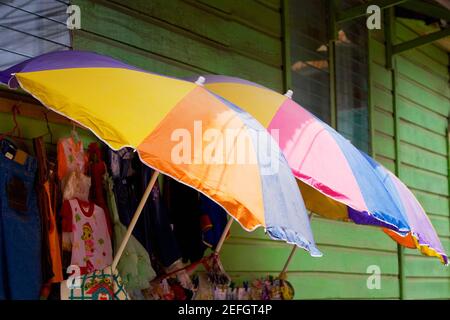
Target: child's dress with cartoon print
88, 235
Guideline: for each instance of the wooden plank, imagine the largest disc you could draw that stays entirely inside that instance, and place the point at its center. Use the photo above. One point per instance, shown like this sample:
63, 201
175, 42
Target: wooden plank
273, 4
264, 258
341, 286
427, 77
381, 76
214, 26
423, 159
133, 56
330, 232
425, 62
425, 118
423, 266
421, 95
387, 163
378, 52
432, 203
404, 33
441, 224
427, 288
424, 180
384, 146
175, 45
252, 13
422, 138
384, 122
382, 98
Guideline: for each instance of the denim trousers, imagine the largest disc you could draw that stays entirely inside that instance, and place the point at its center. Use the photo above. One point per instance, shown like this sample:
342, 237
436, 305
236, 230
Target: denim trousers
20, 231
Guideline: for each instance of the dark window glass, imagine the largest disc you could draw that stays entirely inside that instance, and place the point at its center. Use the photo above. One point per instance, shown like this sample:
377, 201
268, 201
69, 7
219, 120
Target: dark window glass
309, 56
352, 81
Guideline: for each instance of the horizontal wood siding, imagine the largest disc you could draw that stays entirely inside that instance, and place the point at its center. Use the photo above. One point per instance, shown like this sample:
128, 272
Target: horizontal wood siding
423, 105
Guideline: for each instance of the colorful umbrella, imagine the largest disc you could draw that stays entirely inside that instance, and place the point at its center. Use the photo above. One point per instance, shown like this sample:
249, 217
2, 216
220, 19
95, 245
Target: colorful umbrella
335, 179
422, 235
178, 128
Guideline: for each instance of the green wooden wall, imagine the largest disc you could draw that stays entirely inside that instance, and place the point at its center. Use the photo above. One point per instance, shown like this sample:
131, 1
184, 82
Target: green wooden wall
423, 106
244, 39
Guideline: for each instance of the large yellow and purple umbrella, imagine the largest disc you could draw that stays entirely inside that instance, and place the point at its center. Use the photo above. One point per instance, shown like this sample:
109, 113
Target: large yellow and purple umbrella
178, 128
335, 178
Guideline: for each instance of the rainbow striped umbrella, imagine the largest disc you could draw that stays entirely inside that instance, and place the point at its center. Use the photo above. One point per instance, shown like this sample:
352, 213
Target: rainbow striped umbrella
178, 128
336, 180
422, 236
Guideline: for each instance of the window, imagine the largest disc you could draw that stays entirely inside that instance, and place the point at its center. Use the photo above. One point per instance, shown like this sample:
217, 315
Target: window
310, 72
352, 81
29, 28
309, 56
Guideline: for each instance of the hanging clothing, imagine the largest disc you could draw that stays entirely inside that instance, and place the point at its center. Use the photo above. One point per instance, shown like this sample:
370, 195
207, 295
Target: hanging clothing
71, 156
134, 265
125, 182
213, 221
153, 229
20, 229
44, 210
184, 211
48, 218
88, 235
97, 170
156, 226
77, 185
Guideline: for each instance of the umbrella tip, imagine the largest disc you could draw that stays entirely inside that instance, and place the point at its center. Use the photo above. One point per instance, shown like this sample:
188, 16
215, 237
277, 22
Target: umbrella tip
289, 94
200, 81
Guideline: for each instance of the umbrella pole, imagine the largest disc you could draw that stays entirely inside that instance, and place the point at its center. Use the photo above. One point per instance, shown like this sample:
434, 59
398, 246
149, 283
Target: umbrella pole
294, 248
224, 236
134, 220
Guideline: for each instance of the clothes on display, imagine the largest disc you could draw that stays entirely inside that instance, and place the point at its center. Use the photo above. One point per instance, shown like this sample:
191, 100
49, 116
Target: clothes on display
74, 212
71, 156
154, 228
97, 170
20, 226
184, 210
213, 221
134, 266
51, 242
88, 235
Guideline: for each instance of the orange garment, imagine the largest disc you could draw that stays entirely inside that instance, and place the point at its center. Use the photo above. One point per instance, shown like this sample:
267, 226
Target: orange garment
53, 239
71, 156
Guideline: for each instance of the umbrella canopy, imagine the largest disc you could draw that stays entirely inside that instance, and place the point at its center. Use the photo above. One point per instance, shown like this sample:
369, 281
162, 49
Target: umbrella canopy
179, 129
422, 236
335, 178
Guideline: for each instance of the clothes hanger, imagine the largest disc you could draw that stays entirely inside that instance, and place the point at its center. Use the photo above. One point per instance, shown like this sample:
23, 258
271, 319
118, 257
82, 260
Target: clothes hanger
47, 123
13, 136
74, 133
15, 111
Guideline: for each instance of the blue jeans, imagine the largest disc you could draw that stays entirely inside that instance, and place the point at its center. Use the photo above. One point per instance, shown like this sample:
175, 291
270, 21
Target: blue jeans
20, 231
